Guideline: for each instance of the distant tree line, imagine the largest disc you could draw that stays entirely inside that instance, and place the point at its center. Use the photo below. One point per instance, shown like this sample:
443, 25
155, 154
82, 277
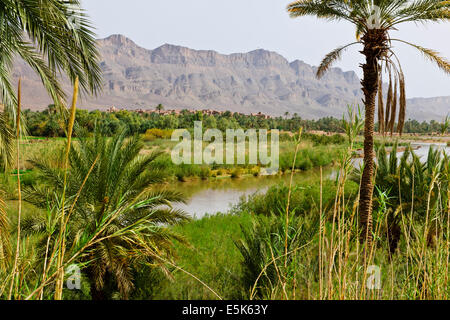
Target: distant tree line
49, 123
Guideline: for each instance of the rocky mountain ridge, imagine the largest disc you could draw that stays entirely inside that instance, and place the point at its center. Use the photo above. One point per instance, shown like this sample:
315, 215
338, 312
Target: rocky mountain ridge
257, 81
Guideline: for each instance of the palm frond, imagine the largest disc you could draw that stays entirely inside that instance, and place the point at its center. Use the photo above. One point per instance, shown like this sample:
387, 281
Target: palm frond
402, 110
393, 108
431, 55
5, 244
380, 104
44, 35
121, 202
336, 10
330, 58
6, 141
422, 11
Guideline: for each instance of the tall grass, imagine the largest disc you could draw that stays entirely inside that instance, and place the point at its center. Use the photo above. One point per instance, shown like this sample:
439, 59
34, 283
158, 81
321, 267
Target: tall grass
62, 235
19, 192
301, 244
295, 242
33, 274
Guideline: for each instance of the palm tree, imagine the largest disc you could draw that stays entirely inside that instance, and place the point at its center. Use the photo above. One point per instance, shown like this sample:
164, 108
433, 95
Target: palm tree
373, 21
160, 108
6, 141
445, 125
53, 37
122, 184
406, 179
263, 240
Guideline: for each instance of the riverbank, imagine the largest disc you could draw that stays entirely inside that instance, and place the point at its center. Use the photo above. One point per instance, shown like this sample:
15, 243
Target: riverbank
240, 253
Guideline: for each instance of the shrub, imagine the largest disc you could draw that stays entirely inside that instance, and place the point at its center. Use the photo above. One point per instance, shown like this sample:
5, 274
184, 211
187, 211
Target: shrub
324, 139
152, 134
28, 178
236, 173
205, 172
264, 240
305, 164
180, 176
305, 198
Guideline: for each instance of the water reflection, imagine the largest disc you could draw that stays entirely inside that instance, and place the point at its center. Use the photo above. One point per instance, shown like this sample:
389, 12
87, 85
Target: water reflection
419, 148
219, 195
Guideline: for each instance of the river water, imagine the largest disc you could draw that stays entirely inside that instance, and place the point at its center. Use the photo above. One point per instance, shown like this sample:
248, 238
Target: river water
219, 195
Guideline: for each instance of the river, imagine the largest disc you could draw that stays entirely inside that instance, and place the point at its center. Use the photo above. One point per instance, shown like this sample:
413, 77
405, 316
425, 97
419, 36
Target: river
219, 195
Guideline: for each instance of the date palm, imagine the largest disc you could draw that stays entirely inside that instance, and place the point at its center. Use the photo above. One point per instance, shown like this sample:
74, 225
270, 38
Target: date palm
122, 181
54, 37
374, 20
159, 108
406, 179
445, 125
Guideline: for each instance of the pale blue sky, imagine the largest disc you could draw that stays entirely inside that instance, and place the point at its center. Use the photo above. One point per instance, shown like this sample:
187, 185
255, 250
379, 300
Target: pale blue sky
229, 26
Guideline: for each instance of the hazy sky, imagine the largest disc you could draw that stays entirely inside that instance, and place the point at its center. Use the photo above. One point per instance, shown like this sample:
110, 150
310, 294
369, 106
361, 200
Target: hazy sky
229, 26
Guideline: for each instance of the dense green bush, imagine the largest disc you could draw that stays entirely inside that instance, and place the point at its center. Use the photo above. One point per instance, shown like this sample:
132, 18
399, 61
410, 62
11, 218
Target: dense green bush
48, 124
262, 242
308, 158
324, 139
305, 198
212, 257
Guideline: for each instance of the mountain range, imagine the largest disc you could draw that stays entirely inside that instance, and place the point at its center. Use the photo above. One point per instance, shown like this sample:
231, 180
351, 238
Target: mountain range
179, 78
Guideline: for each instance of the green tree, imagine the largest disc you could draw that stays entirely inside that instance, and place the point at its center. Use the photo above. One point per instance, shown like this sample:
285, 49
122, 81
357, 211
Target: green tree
374, 20
406, 180
445, 125
159, 108
122, 185
210, 122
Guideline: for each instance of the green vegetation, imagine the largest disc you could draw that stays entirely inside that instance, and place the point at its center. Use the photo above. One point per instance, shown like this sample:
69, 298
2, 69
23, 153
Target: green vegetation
99, 200
124, 196
45, 37
212, 256
54, 48
47, 124
445, 125
96, 206
374, 22
295, 241
242, 255
112, 193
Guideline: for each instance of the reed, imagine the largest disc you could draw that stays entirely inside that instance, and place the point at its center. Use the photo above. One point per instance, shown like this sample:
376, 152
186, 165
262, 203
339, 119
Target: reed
297, 241
19, 192
62, 249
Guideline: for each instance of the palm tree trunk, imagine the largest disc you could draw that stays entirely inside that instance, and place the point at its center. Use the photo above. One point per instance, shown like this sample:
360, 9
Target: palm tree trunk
374, 41
96, 293
394, 233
